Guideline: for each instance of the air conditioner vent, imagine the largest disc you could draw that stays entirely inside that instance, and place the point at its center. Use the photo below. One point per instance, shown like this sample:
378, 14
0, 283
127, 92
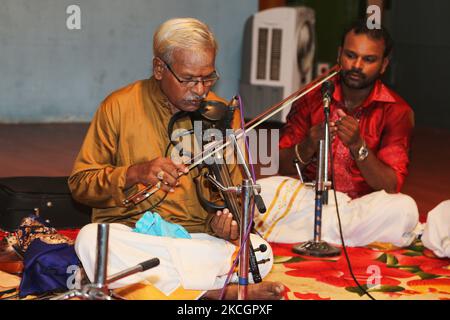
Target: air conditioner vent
263, 39
275, 56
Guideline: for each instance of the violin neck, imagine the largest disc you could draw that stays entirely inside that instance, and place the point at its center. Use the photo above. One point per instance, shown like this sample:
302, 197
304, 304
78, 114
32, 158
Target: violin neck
232, 200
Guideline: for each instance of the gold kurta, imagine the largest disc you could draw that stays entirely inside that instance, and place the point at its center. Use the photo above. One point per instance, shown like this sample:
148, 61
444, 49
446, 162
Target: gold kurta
130, 127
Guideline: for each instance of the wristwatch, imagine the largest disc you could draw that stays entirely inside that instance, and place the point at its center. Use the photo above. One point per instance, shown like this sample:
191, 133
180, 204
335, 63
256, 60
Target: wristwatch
363, 152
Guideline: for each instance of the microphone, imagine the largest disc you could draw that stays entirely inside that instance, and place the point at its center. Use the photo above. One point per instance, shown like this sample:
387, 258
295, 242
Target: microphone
143, 266
327, 92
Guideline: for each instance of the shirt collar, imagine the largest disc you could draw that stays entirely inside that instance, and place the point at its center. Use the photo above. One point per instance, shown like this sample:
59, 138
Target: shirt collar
380, 93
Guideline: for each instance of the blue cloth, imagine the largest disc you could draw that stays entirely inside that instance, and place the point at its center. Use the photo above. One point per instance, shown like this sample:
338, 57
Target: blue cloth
46, 267
152, 224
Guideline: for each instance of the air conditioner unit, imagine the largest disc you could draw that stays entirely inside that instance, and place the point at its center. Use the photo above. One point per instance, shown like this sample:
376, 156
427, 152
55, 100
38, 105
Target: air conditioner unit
278, 57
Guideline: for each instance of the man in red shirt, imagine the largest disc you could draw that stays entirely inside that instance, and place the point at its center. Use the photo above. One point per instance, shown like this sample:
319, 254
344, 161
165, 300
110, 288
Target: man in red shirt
370, 128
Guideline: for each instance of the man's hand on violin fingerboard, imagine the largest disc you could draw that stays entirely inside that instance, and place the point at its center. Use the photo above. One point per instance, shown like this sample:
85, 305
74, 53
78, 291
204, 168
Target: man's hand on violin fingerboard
225, 227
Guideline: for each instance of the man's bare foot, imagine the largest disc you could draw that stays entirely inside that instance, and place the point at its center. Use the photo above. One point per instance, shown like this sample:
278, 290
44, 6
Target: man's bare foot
259, 291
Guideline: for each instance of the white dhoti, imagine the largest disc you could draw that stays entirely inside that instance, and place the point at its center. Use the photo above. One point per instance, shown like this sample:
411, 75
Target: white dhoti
436, 235
200, 263
376, 217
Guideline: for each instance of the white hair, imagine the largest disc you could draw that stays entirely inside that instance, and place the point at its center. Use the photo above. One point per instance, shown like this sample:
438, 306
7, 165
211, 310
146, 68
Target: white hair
182, 33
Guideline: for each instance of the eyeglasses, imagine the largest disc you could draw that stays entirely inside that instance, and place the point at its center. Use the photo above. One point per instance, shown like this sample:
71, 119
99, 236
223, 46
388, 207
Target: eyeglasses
207, 82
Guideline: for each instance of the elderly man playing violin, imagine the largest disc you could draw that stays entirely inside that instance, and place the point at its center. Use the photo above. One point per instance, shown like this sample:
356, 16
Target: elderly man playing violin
126, 147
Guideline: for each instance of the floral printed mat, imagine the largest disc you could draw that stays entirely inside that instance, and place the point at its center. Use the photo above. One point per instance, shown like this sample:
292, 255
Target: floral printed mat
412, 273
403, 274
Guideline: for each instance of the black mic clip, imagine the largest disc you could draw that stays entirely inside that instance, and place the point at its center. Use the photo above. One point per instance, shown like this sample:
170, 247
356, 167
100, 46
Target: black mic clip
327, 90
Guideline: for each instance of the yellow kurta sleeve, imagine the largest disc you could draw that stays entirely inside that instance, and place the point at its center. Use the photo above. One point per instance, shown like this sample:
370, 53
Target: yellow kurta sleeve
96, 179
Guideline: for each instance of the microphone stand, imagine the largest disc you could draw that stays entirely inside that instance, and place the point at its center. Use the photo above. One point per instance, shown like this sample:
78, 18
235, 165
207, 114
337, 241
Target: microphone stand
99, 289
247, 219
249, 192
317, 247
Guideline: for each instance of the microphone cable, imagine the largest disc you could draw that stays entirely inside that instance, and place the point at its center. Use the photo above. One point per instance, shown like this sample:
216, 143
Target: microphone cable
344, 247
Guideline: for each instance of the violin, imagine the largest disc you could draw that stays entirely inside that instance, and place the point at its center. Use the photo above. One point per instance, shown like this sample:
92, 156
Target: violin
217, 115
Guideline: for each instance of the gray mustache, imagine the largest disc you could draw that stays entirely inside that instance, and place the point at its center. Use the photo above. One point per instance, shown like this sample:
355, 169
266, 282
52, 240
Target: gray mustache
195, 98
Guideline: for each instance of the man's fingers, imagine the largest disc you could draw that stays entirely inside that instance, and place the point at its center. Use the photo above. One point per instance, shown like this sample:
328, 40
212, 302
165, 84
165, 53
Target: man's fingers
166, 188
346, 129
176, 169
349, 124
215, 221
221, 222
333, 135
333, 129
171, 169
341, 113
181, 168
224, 226
347, 121
234, 234
344, 135
170, 175
227, 228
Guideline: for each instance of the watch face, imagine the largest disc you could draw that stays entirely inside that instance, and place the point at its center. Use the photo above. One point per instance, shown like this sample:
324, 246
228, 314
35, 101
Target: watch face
363, 153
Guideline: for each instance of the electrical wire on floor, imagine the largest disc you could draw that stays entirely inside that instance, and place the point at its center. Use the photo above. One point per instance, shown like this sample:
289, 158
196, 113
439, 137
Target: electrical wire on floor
344, 247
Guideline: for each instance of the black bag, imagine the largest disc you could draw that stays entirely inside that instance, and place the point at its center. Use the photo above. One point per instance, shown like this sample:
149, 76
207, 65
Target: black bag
49, 197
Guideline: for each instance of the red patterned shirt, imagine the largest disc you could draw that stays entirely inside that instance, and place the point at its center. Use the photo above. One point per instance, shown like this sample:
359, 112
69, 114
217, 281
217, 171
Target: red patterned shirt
386, 123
